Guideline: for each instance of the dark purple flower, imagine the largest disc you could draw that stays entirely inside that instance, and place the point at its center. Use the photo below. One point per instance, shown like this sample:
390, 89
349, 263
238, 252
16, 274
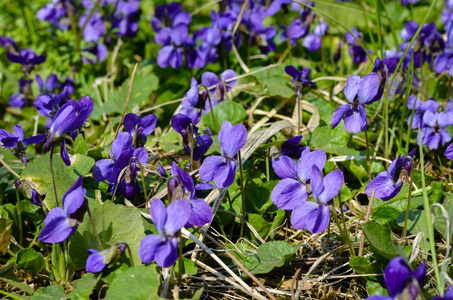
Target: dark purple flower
173, 41
48, 85
185, 126
447, 296
356, 51
449, 152
163, 247
184, 188
20, 99
27, 58
223, 168
70, 117
170, 15
315, 216
359, 92
60, 223
105, 169
296, 30
139, 128
128, 165
420, 109
55, 13
218, 86
401, 281
95, 27
313, 41
29, 192
299, 80
433, 130
406, 2
388, 184
294, 188
9, 44
48, 105
99, 50
17, 143
126, 18
99, 260
193, 103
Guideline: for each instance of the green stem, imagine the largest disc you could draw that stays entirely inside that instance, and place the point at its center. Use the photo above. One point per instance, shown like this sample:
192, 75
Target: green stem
378, 23
368, 154
408, 197
192, 143
344, 235
406, 99
131, 259
10, 295
299, 111
53, 177
180, 260
340, 204
142, 173
19, 215
268, 176
427, 209
96, 234
214, 120
242, 194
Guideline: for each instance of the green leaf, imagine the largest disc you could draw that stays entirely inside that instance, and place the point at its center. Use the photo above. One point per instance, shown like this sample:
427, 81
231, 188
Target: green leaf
278, 220
439, 220
228, 110
84, 286
138, 283
142, 87
54, 292
37, 173
30, 260
5, 234
259, 196
385, 215
80, 145
31, 211
275, 81
380, 238
114, 223
333, 141
188, 267
416, 221
269, 256
359, 264
261, 226
7, 275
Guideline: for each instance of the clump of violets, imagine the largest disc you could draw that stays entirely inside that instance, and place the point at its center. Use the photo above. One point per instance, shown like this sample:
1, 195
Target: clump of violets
419, 110
433, 131
163, 247
388, 184
218, 86
61, 223
359, 92
313, 41
98, 261
223, 168
402, 282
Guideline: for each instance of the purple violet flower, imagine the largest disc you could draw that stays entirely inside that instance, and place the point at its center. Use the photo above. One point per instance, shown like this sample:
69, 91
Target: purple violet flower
184, 188
98, 261
447, 296
359, 92
315, 216
294, 188
61, 223
193, 103
70, 117
20, 99
218, 86
139, 128
27, 58
173, 41
401, 281
170, 15
449, 152
126, 18
299, 80
433, 130
356, 51
48, 85
99, 50
129, 162
420, 109
313, 41
185, 126
95, 27
17, 143
55, 13
223, 168
388, 184
163, 247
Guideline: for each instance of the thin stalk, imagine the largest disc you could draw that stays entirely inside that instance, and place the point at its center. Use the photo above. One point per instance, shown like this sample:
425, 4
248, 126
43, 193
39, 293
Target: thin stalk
191, 145
53, 176
214, 120
408, 197
242, 194
268, 176
429, 220
299, 111
340, 204
142, 173
19, 215
180, 260
343, 234
406, 99
131, 259
368, 154
378, 24
392, 27
94, 228
10, 295
9, 168
367, 217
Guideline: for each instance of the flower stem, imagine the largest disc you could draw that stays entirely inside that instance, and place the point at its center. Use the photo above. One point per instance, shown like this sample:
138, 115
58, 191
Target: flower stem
344, 235
367, 217
192, 143
299, 112
53, 176
429, 221
268, 176
368, 154
403, 237
94, 228
131, 259
142, 173
19, 215
180, 259
242, 194
214, 120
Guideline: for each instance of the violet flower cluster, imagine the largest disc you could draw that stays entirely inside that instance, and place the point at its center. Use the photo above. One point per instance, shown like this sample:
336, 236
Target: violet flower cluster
127, 154
302, 179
